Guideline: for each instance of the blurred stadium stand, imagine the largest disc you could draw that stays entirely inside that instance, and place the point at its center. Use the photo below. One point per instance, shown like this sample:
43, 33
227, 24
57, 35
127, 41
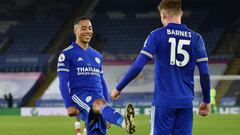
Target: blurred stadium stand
31, 27
32, 33
27, 30
125, 28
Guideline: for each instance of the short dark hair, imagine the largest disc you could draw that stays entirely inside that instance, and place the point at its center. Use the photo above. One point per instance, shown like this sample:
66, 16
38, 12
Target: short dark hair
171, 6
76, 21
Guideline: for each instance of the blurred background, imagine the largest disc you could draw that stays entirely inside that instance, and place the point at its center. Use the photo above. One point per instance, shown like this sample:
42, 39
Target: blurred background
33, 32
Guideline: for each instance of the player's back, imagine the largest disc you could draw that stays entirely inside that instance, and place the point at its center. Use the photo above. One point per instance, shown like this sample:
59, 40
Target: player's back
175, 58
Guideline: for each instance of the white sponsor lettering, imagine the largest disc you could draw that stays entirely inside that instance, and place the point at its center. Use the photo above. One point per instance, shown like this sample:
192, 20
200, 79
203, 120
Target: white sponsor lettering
88, 71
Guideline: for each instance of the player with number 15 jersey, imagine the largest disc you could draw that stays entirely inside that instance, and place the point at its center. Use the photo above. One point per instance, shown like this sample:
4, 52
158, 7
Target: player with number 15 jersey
176, 52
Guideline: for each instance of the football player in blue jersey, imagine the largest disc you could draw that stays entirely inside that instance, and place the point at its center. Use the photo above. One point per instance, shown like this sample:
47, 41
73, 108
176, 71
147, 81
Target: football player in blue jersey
83, 87
176, 50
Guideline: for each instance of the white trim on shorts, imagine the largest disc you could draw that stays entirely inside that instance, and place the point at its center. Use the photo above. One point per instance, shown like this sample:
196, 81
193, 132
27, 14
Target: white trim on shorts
152, 119
78, 101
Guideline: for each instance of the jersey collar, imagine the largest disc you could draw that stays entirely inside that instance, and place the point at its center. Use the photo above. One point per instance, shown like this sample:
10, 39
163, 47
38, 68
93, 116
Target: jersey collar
176, 25
77, 46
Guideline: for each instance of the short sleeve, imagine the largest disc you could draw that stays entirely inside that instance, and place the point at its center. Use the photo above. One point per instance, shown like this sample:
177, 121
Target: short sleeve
200, 51
150, 45
63, 63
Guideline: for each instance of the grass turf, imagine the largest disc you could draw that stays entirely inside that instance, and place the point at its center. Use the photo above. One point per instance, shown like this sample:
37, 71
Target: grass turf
60, 125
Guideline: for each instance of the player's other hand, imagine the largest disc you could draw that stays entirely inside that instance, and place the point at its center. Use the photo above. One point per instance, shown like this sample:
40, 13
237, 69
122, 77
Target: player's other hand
72, 111
109, 125
115, 94
204, 109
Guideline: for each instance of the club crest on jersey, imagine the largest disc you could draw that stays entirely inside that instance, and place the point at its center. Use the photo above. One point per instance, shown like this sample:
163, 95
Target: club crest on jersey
97, 60
61, 58
88, 98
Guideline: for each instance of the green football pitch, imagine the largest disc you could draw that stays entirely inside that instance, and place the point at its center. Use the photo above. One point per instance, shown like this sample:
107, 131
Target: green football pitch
60, 125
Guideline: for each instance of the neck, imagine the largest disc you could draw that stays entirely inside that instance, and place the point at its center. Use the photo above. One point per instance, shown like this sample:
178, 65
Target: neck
82, 45
176, 20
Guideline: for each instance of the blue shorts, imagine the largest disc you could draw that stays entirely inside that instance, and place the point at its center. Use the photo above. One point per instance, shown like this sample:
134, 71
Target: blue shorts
94, 122
171, 121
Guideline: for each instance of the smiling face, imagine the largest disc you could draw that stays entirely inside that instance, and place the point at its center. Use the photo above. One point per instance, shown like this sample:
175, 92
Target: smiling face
83, 31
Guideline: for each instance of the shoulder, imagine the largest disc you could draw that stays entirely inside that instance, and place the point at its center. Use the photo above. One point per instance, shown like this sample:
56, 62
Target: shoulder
198, 35
157, 31
69, 48
65, 53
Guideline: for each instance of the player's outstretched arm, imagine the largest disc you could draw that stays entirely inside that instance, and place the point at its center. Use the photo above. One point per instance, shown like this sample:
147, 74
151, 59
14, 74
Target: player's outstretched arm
132, 73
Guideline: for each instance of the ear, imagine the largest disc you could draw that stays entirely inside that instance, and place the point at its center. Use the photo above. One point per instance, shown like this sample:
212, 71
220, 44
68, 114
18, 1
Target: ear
164, 15
75, 30
182, 14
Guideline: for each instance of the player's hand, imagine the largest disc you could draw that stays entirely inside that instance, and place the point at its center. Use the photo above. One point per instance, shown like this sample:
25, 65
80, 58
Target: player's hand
109, 125
72, 111
115, 94
204, 109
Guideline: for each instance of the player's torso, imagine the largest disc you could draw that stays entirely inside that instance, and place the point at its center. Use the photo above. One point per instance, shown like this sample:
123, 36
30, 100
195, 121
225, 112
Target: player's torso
176, 48
85, 64
85, 69
175, 62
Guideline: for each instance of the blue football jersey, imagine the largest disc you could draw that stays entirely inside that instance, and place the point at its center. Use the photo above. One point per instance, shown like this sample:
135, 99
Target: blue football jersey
175, 49
84, 68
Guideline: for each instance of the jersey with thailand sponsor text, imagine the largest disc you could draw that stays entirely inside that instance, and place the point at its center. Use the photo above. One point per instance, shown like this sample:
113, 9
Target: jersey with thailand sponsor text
84, 68
176, 50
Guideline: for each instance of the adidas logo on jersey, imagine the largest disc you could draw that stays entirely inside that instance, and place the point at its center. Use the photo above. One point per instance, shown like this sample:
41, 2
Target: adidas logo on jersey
80, 59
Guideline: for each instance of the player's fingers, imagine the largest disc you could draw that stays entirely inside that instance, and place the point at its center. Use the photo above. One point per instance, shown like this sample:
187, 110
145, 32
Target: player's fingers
206, 112
113, 95
77, 111
71, 114
201, 112
115, 98
108, 125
